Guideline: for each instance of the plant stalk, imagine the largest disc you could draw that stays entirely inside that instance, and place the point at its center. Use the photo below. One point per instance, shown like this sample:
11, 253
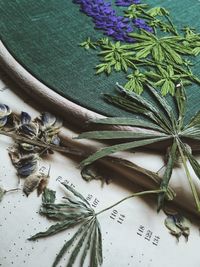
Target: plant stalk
131, 196
192, 186
42, 144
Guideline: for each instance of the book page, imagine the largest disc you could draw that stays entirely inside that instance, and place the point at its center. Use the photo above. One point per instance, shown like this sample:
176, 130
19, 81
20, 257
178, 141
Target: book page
133, 232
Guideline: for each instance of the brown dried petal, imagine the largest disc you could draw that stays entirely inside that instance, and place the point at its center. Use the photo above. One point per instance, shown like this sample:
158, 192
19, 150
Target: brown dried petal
31, 183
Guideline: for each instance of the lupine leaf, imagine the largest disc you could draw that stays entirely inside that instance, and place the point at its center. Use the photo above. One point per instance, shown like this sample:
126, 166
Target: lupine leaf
121, 147
118, 135
128, 122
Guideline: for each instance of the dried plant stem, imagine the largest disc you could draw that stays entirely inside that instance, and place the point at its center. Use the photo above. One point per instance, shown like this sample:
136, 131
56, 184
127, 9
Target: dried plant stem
192, 186
131, 196
19, 138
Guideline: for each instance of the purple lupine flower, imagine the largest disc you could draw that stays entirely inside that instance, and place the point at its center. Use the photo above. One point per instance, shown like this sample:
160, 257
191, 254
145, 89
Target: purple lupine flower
141, 24
126, 2
106, 19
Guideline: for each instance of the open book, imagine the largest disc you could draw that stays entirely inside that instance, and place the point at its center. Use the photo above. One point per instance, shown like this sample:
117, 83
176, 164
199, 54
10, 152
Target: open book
133, 233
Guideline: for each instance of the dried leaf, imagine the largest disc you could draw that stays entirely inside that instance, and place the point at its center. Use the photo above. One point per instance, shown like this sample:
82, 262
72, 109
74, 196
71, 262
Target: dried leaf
121, 147
27, 165
178, 225
25, 118
92, 173
170, 223
4, 110
128, 121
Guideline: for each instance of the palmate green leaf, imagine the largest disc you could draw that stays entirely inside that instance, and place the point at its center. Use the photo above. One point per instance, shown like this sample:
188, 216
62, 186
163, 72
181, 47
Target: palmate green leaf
118, 135
128, 122
162, 48
167, 174
168, 79
121, 147
136, 108
172, 55
168, 87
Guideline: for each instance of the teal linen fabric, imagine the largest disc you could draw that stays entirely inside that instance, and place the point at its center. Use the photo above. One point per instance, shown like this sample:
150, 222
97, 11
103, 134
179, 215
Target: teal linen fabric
43, 36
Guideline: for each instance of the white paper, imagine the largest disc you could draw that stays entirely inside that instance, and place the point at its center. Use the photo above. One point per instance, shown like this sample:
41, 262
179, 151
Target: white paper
133, 233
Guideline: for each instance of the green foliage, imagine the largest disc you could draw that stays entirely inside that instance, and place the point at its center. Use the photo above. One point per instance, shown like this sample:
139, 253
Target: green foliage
114, 56
160, 57
136, 82
166, 125
168, 48
74, 211
167, 79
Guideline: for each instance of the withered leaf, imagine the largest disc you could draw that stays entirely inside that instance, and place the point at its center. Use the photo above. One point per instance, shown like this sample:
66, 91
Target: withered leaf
31, 183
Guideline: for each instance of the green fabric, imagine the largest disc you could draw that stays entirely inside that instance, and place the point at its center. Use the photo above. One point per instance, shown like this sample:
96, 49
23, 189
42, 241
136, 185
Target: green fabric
43, 35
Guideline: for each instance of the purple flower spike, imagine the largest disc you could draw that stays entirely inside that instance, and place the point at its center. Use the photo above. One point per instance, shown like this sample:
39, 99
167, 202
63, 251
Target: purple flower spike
141, 24
106, 19
127, 2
